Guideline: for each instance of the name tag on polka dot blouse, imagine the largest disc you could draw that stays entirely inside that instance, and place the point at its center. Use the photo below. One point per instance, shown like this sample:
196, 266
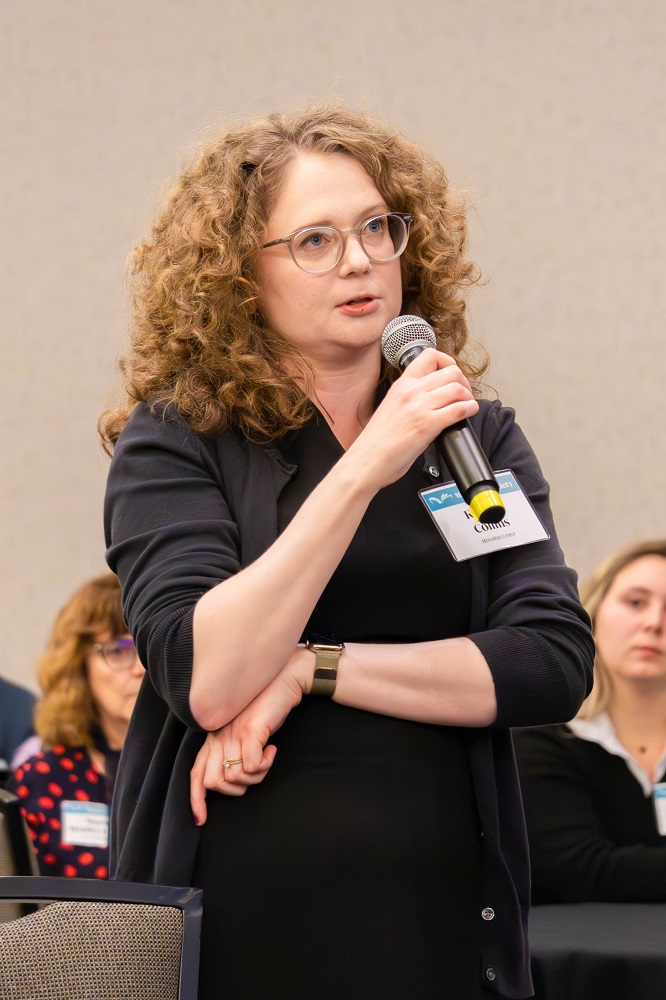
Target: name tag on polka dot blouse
85, 824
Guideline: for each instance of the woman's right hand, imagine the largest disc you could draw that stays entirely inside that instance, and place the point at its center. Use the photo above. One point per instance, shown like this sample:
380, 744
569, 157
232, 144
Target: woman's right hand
430, 395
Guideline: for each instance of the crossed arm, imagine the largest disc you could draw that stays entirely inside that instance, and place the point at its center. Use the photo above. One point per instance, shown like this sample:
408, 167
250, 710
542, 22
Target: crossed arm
446, 682
173, 537
262, 611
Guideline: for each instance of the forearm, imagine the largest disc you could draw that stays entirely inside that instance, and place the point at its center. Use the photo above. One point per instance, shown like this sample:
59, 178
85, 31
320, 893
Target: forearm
258, 616
445, 682
246, 628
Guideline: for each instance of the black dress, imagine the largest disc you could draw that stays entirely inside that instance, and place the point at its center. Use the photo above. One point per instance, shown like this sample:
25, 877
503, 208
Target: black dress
352, 870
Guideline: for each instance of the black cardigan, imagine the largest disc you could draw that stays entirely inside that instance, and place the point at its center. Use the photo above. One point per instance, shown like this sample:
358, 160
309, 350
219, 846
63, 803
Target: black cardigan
183, 512
592, 831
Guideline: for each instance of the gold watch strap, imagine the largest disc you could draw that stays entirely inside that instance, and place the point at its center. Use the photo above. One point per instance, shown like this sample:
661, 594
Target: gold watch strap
326, 667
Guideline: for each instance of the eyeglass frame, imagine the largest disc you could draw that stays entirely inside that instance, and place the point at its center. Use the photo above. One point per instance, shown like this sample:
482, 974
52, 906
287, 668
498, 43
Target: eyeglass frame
405, 217
99, 648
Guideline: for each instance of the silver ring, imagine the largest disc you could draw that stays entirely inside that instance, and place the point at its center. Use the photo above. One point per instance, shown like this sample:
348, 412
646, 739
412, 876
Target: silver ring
228, 761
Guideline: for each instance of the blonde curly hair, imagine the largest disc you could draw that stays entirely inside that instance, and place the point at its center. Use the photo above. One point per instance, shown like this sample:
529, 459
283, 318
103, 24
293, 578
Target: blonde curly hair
199, 340
66, 713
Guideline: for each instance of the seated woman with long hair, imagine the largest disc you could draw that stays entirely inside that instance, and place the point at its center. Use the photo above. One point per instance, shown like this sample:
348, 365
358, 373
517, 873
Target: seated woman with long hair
90, 675
592, 789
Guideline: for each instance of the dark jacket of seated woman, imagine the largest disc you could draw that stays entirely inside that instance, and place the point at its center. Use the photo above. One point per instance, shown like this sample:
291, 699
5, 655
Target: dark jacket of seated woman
595, 790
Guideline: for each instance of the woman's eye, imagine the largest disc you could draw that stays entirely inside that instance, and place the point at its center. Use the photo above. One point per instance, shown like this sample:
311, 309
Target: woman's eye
375, 226
313, 241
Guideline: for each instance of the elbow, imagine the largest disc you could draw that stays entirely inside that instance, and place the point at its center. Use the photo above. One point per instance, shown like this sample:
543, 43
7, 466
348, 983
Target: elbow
209, 698
578, 688
208, 709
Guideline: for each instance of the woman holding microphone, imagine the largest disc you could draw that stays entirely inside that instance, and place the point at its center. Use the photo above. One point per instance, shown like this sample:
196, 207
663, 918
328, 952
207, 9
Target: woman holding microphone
327, 685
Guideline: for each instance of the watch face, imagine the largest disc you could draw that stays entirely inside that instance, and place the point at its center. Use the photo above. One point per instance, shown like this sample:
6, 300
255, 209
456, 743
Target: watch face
317, 639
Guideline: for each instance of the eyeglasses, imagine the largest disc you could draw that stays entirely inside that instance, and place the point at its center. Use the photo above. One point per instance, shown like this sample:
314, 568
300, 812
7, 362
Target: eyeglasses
119, 654
318, 249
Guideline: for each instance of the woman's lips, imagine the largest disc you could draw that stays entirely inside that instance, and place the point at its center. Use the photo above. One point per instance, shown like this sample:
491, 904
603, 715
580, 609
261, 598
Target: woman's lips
359, 306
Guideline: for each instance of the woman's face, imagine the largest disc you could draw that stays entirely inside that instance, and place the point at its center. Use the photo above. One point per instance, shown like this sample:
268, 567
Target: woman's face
630, 622
114, 691
336, 317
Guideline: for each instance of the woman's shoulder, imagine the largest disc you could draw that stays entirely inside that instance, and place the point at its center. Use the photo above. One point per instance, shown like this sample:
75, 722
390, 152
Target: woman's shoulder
48, 764
158, 437
494, 422
506, 445
64, 757
553, 745
159, 424
493, 411
155, 418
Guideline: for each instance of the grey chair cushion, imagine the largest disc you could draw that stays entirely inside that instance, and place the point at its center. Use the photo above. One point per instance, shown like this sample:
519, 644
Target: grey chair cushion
84, 950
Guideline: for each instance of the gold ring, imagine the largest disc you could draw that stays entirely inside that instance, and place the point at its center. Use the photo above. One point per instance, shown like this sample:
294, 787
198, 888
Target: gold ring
228, 761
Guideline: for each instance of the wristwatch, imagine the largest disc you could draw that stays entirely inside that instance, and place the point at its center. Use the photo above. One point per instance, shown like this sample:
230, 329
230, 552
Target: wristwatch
327, 654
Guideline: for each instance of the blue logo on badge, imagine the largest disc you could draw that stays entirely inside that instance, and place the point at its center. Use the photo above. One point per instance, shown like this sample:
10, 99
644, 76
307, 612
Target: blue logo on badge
441, 497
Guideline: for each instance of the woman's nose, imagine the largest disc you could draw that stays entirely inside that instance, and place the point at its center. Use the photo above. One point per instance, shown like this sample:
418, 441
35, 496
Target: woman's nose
655, 616
138, 668
354, 258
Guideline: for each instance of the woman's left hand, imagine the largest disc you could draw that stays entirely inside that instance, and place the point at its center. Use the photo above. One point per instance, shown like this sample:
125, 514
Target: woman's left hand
238, 755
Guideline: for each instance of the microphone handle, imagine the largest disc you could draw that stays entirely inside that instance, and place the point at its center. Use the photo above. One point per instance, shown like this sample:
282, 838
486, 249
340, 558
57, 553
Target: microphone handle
465, 458
470, 469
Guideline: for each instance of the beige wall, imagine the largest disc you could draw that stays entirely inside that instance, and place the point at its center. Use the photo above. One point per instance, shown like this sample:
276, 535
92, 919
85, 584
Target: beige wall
551, 114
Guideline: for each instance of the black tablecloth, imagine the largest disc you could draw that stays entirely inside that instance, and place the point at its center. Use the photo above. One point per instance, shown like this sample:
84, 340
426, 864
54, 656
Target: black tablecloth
599, 951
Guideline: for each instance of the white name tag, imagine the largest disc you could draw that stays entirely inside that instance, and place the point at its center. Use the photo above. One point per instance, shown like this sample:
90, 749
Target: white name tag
85, 824
467, 537
659, 799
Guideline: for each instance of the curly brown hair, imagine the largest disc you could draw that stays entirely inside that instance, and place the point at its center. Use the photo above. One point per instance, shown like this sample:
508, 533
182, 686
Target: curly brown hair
199, 340
66, 713
592, 594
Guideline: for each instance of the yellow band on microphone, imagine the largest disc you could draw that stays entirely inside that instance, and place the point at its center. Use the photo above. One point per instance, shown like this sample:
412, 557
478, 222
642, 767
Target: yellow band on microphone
487, 507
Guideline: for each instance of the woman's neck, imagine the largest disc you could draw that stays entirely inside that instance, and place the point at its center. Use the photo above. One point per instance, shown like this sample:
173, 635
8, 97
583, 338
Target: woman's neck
346, 398
114, 732
639, 719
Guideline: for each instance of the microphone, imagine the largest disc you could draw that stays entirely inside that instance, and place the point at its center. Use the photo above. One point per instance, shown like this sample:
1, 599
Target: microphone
403, 340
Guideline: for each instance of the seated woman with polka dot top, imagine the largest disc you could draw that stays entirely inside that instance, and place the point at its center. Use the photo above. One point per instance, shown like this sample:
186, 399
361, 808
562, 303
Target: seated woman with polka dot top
90, 676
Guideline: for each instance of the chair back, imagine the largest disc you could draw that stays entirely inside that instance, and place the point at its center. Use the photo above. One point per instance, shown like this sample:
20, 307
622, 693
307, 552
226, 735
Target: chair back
108, 940
16, 854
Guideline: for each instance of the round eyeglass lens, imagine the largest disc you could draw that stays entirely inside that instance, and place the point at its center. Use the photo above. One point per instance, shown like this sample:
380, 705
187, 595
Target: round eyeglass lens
384, 237
120, 654
317, 249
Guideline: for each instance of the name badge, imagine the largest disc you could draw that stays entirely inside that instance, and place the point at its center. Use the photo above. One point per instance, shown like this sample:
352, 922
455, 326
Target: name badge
85, 824
467, 537
659, 799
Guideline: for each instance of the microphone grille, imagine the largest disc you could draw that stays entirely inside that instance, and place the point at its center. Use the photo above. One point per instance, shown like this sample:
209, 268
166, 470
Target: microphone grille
403, 332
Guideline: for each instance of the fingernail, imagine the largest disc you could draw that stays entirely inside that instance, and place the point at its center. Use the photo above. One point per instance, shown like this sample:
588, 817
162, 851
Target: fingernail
197, 821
